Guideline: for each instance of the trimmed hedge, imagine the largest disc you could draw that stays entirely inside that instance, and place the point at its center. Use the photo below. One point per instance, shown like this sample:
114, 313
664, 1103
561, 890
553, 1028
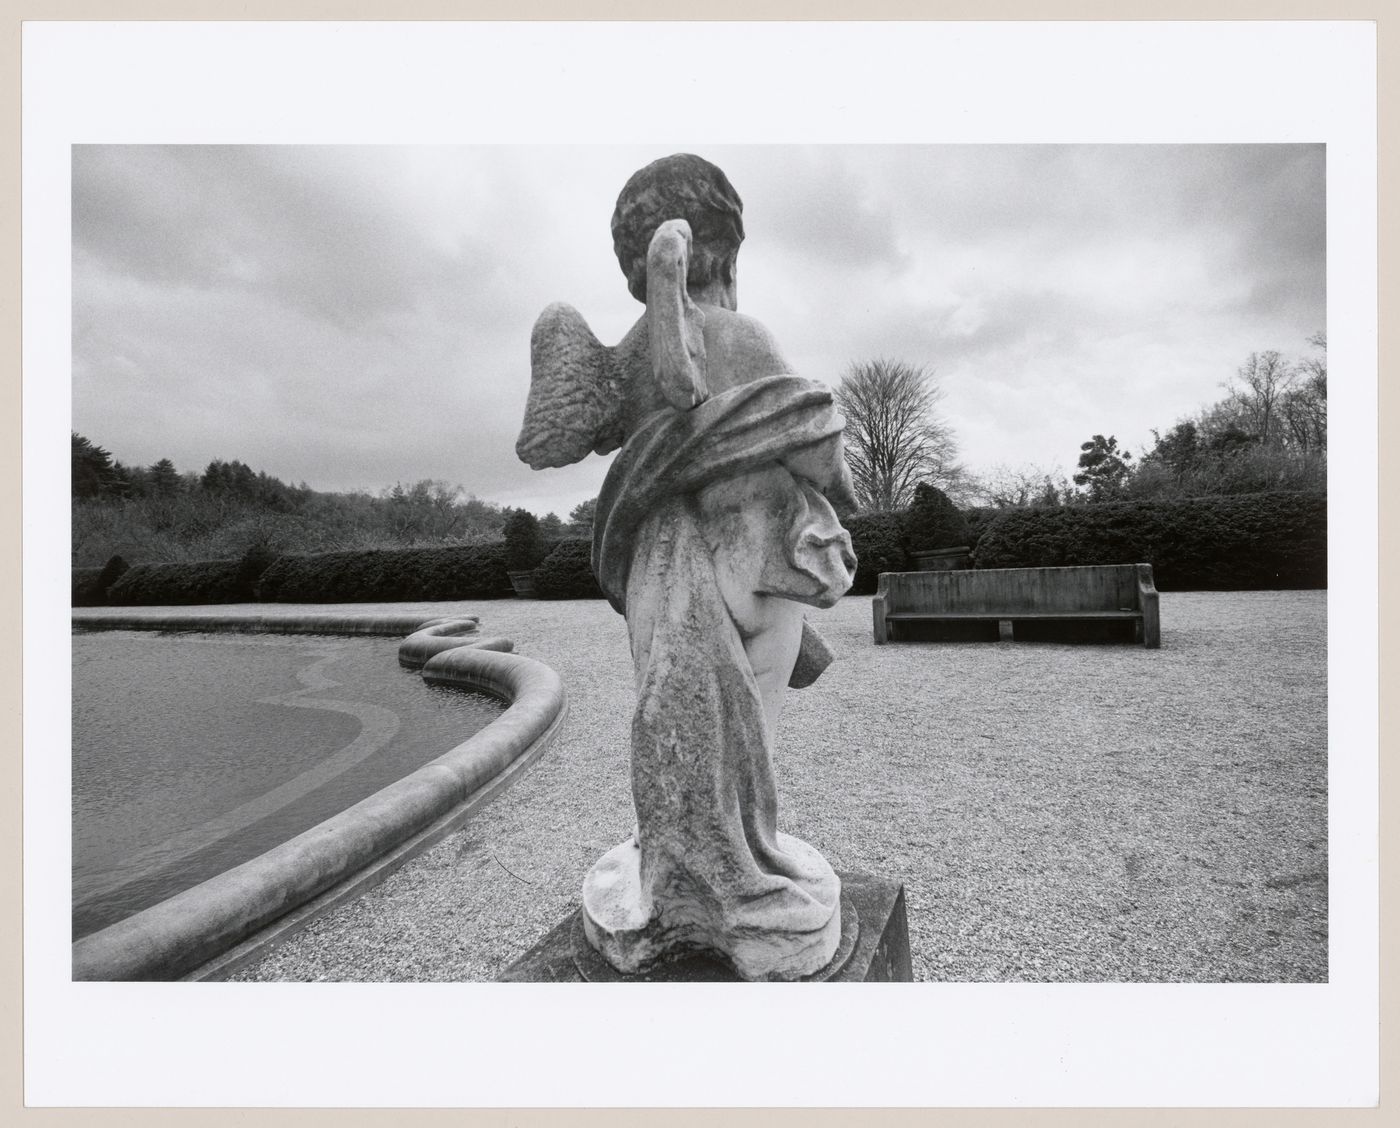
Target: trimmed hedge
878, 540
1233, 543
1239, 542
567, 572
91, 585
475, 571
978, 520
199, 581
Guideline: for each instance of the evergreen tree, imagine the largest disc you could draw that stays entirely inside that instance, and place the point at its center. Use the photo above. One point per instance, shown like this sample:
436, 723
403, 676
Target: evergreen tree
93, 472
1103, 468
1179, 450
581, 515
163, 479
933, 522
235, 478
525, 546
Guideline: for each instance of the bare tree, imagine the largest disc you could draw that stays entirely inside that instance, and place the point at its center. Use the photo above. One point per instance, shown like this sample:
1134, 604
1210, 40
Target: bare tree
894, 437
1010, 487
1266, 377
1304, 406
428, 511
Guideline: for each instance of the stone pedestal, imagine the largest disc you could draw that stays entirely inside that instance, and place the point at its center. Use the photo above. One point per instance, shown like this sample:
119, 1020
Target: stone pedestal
874, 947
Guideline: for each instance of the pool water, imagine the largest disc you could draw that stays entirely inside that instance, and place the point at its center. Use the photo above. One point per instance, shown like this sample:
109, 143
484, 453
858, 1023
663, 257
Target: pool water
193, 753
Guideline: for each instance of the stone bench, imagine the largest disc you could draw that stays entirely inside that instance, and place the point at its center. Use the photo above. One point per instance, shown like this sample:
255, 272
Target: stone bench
1101, 593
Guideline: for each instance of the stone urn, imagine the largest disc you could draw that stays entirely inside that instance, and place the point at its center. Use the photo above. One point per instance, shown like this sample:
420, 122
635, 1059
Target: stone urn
943, 559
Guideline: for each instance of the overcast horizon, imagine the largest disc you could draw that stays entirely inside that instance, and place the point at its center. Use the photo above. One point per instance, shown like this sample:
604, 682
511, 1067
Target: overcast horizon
353, 317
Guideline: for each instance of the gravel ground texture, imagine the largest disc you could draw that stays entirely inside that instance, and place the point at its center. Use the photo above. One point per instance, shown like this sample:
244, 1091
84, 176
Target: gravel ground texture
1057, 812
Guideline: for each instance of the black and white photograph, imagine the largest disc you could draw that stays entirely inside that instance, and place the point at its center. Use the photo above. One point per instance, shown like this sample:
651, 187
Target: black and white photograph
709, 562
1096, 740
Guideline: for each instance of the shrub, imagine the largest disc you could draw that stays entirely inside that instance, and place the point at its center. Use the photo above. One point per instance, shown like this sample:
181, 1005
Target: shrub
932, 521
524, 543
567, 572
91, 585
1240, 542
476, 571
878, 540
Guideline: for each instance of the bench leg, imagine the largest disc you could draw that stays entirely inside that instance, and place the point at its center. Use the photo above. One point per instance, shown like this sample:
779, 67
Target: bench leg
1151, 627
1147, 602
877, 606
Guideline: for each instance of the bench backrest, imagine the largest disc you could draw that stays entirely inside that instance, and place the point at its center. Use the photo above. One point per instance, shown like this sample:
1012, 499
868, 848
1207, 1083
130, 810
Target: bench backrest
1099, 587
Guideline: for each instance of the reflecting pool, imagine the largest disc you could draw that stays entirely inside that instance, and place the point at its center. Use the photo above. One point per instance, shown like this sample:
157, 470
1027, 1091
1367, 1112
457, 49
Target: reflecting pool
193, 753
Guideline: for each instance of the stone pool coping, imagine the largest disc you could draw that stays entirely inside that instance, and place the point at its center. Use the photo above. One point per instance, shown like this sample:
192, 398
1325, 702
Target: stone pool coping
258, 622
216, 926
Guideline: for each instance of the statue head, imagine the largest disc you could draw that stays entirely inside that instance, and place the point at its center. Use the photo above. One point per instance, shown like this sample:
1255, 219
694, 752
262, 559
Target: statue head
685, 187
583, 395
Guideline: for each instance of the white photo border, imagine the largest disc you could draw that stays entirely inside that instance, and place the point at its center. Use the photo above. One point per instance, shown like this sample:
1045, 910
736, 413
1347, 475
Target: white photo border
495, 1045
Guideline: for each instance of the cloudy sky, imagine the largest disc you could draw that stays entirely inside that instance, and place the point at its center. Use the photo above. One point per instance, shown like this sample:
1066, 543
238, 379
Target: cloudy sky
352, 317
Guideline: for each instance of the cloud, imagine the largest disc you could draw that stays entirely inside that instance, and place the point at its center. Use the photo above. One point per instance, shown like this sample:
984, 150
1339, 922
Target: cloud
819, 204
356, 316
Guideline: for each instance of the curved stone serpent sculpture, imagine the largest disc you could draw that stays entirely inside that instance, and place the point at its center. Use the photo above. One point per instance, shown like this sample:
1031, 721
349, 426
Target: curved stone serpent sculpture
717, 522
437, 636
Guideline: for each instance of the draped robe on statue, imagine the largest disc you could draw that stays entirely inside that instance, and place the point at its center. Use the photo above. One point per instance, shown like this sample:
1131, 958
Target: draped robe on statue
712, 529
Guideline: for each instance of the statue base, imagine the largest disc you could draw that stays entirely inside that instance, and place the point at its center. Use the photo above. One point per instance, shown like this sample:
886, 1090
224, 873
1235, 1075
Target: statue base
874, 947
793, 931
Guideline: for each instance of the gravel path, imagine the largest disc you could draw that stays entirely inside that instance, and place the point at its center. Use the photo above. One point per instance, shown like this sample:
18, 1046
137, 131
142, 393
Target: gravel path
1057, 812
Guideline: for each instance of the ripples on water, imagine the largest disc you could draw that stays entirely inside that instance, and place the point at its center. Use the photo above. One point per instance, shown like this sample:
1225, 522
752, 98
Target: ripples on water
193, 753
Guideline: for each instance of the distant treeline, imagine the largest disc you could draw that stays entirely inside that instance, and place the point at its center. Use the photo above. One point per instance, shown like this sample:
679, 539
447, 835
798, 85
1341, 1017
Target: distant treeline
156, 514
152, 535
1267, 435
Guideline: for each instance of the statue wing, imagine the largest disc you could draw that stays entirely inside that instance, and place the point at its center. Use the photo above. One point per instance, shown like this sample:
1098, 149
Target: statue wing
575, 398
